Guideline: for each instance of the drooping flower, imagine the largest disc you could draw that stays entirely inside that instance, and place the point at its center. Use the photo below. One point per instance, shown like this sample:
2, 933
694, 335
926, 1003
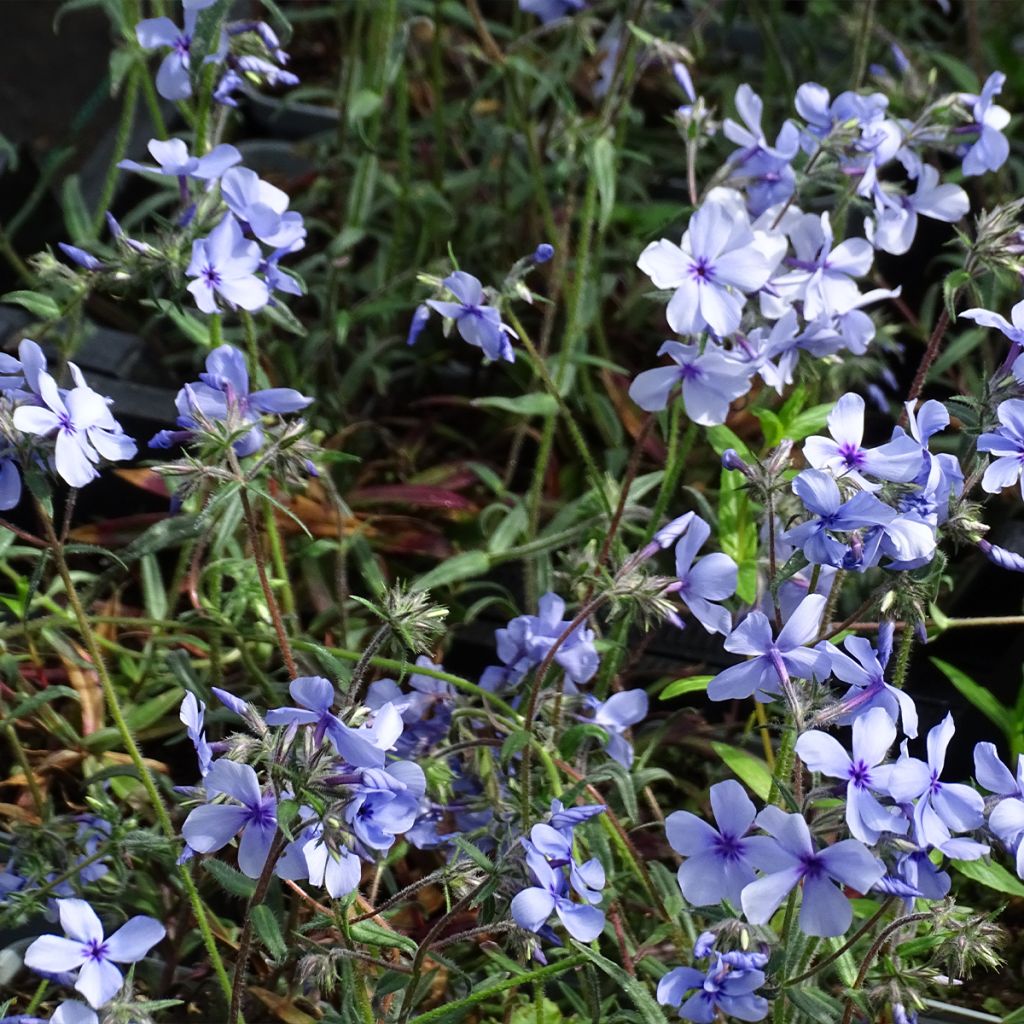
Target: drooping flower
224, 264
844, 455
359, 747
991, 149
615, 715
942, 807
86, 950
1012, 328
264, 208
711, 271
773, 660
824, 910
478, 323
706, 581
83, 428
212, 826
709, 383
527, 639
896, 221
863, 771
191, 716
720, 861
532, 907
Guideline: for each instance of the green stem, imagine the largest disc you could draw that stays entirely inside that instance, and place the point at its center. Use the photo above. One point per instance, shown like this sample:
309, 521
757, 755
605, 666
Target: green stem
121, 140
22, 758
131, 748
675, 461
899, 674
596, 477
216, 330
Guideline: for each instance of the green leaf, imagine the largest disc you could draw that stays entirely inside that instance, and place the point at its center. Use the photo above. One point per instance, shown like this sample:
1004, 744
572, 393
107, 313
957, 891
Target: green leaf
951, 286
722, 437
738, 532
981, 698
509, 530
464, 566
691, 684
25, 707
816, 1005
144, 715
269, 931
989, 874
153, 593
602, 165
771, 426
230, 879
752, 771
810, 421
76, 214
364, 103
373, 934
42, 306
540, 404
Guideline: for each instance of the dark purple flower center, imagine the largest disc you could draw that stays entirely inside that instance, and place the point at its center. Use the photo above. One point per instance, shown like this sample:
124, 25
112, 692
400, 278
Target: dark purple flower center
263, 814
860, 774
702, 270
690, 371
211, 276
934, 786
728, 847
95, 949
182, 45
65, 423
852, 455
811, 866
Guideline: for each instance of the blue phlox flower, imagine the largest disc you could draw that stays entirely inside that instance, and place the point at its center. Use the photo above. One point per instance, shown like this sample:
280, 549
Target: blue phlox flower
86, 950
420, 318
707, 580
211, 826
331, 865
478, 323
191, 716
224, 264
709, 382
820, 495
279, 280
724, 989
1006, 443
532, 907
720, 860
1012, 328
222, 393
843, 453
264, 209
991, 149
772, 660
711, 271
615, 715
942, 808
863, 668
385, 803
895, 223
360, 747
564, 819
525, 642
794, 860
173, 79
762, 169
173, 161
81, 425
91, 833
1006, 819
822, 275
862, 770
